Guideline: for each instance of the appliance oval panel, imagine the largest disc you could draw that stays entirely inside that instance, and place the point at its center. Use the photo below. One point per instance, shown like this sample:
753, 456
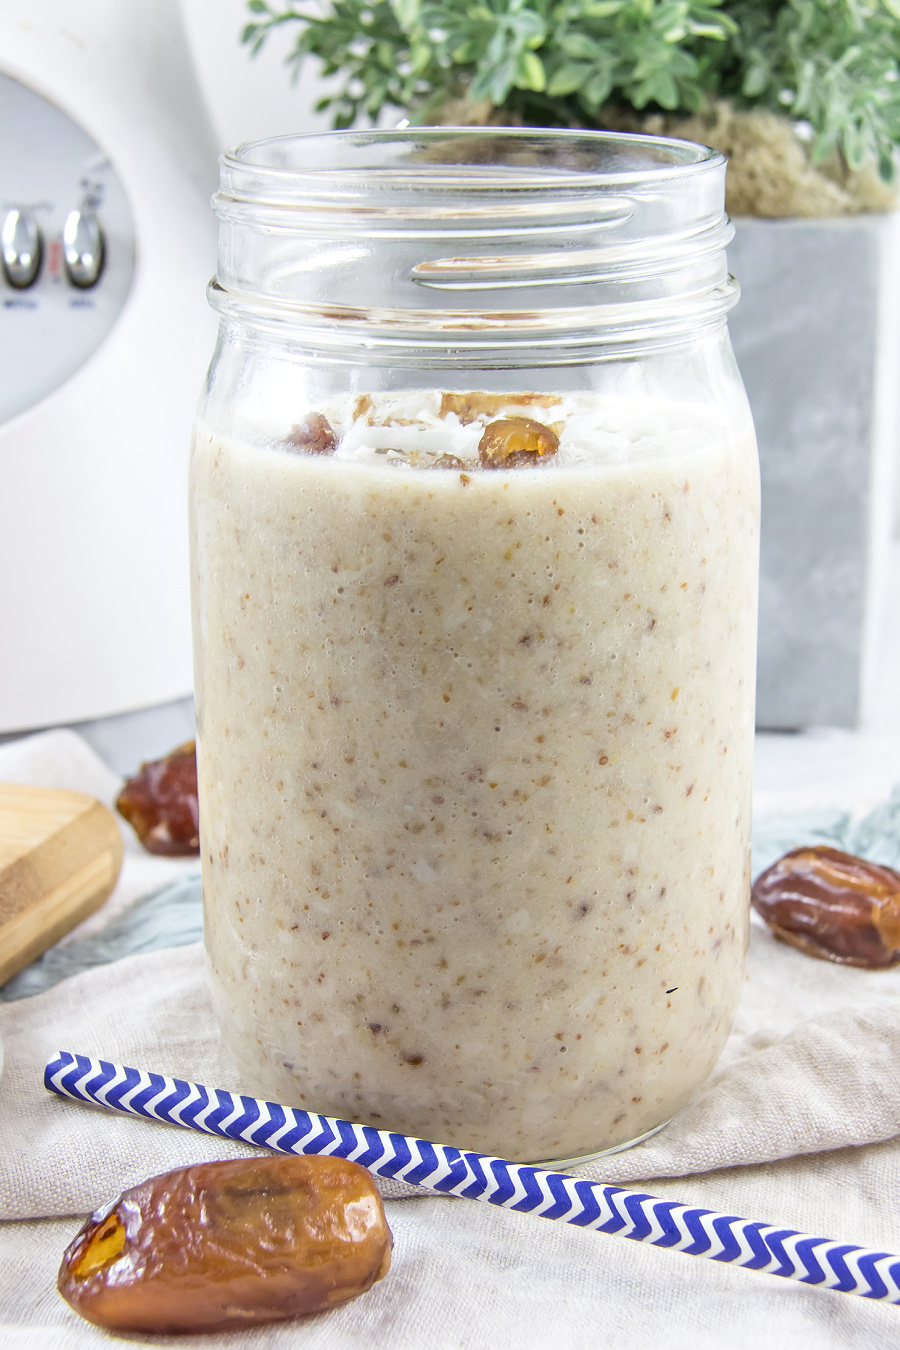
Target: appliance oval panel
55, 311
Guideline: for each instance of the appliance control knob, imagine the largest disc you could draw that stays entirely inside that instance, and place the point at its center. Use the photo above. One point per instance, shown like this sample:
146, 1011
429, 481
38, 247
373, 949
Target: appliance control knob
83, 249
21, 248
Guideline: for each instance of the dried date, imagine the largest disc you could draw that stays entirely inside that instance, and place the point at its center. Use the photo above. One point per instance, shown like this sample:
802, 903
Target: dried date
160, 803
516, 442
314, 435
229, 1244
469, 407
833, 905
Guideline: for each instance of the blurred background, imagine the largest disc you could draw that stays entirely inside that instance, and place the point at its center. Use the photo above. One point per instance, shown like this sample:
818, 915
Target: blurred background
250, 98
113, 119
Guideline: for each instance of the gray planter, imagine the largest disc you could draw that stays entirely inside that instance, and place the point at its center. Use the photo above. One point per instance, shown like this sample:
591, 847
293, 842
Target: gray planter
817, 339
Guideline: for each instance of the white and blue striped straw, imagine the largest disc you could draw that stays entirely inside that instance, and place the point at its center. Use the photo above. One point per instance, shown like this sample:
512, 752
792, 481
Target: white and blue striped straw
452, 1171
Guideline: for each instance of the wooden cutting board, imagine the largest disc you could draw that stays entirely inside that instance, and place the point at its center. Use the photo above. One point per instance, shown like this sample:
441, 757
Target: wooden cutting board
60, 856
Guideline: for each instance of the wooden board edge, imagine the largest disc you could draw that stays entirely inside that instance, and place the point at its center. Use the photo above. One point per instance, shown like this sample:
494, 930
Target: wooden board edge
29, 934
89, 834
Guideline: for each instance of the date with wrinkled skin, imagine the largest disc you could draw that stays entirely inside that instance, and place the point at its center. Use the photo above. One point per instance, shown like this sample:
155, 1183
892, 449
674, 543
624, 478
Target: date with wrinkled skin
516, 442
229, 1244
314, 435
160, 803
833, 905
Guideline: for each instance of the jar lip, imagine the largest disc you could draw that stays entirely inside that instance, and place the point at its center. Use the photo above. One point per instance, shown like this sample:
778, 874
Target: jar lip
354, 161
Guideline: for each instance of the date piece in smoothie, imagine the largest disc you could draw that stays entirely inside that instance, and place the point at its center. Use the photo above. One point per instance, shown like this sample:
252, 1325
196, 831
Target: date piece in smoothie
474, 765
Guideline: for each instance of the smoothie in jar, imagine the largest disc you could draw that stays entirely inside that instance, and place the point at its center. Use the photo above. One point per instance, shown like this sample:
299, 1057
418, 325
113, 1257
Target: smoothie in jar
474, 760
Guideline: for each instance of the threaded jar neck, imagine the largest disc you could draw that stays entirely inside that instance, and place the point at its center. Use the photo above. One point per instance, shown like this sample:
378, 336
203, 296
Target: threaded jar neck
446, 242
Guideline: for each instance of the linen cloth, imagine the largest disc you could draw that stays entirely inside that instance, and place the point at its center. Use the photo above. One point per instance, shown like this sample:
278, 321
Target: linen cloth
803, 1111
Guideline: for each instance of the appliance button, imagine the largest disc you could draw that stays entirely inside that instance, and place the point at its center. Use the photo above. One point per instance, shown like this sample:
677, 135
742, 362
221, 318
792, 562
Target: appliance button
21, 248
83, 249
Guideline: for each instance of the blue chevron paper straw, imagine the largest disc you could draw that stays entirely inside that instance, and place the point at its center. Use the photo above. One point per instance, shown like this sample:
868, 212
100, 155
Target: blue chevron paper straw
452, 1171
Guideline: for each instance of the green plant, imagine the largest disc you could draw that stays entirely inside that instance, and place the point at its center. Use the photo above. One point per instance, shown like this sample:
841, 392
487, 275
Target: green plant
834, 64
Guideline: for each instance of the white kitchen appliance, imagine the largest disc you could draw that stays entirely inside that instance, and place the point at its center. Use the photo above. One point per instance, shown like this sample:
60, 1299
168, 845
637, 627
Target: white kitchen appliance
107, 162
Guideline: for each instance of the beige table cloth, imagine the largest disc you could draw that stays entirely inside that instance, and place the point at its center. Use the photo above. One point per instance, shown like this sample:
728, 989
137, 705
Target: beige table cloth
798, 1126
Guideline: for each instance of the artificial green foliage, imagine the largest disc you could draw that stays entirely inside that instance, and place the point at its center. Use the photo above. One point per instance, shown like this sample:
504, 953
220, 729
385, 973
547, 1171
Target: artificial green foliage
834, 64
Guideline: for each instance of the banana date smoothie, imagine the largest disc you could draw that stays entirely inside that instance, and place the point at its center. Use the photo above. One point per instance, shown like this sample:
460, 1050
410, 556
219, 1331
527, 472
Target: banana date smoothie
475, 711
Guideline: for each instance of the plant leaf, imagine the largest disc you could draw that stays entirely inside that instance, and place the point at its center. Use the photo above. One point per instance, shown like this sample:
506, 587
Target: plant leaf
566, 79
832, 63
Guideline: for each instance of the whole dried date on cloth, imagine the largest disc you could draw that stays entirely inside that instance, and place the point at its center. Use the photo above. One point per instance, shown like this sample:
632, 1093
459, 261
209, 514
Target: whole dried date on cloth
160, 803
229, 1244
833, 905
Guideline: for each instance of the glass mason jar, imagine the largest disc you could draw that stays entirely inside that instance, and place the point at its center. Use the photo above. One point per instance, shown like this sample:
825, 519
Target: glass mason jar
474, 524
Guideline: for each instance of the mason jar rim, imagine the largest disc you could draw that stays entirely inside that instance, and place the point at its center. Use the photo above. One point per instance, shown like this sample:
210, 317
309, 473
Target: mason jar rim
664, 157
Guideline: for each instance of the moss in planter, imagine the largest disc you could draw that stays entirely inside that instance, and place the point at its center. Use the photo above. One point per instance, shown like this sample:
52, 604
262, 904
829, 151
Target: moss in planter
769, 169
